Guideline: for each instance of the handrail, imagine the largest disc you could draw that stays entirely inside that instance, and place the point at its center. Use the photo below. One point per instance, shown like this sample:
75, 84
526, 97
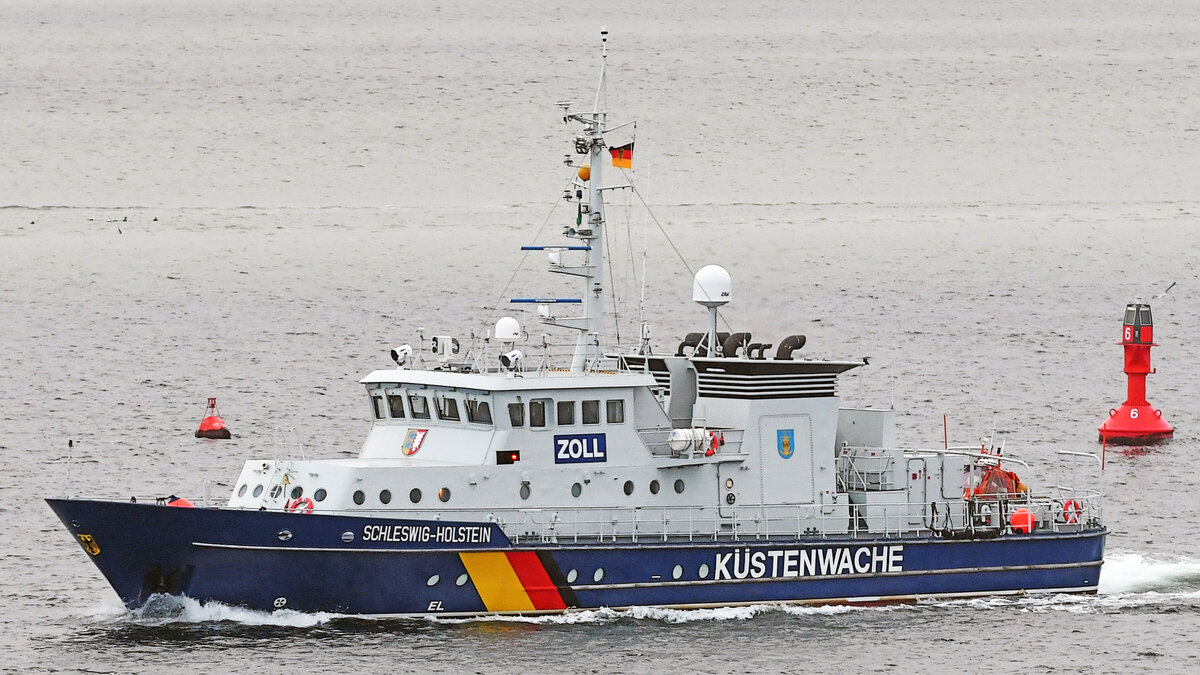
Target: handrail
979, 516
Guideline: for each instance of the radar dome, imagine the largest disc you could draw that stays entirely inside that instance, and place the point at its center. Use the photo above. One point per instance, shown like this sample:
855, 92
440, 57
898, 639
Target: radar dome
508, 329
712, 286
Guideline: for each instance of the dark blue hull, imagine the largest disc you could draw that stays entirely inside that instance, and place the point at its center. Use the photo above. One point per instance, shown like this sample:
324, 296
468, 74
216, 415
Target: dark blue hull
267, 560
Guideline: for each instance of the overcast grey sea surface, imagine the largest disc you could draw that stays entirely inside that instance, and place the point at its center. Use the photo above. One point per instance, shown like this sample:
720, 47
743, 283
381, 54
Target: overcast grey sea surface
254, 201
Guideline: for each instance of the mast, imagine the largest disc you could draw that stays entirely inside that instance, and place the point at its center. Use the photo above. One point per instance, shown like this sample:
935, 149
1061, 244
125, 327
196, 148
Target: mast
587, 348
590, 229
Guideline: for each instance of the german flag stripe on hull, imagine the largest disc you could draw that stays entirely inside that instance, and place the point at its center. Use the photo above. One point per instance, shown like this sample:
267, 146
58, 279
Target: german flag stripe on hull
517, 581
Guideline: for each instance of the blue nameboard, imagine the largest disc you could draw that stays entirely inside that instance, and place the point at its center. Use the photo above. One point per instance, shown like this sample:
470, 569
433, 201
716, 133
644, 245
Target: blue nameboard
577, 448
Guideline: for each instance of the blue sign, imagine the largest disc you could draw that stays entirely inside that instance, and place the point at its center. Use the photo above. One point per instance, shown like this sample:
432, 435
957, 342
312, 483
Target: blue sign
578, 448
786, 440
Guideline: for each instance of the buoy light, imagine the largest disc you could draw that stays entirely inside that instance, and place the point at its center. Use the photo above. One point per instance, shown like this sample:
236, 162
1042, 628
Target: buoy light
584, 173
212, 426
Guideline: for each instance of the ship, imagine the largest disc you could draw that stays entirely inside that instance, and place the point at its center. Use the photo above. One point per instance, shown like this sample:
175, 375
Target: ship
721, 472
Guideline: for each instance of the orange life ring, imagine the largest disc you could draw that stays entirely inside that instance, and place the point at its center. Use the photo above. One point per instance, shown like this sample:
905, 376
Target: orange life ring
715, 440
295, 504
1071, 510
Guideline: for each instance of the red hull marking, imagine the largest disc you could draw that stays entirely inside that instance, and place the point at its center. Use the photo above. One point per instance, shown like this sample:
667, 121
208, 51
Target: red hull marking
536, 581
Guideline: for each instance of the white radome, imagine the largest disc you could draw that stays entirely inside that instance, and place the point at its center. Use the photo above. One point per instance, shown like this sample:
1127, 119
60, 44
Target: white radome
712, 286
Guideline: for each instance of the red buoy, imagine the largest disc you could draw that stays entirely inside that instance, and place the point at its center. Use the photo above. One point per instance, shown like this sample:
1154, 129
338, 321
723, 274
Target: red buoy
212, 426
1023, 521
1136, 422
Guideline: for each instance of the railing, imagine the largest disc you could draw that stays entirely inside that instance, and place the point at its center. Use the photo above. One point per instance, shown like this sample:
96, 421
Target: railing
975, 518
729, 441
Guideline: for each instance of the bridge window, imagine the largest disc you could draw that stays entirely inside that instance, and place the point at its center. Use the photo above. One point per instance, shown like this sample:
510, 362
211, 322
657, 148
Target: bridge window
566, 413
516, 414
591, 412
420, 407
537, 412
616, 411
396, 405
478, 412
447, 408
377, 405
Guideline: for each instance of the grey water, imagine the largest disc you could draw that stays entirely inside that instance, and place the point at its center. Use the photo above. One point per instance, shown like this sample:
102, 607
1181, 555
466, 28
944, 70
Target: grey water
255, 201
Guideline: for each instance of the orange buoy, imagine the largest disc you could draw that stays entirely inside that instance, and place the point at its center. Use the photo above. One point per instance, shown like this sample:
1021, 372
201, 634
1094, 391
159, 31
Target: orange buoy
212, 426
585, 173
1022, 520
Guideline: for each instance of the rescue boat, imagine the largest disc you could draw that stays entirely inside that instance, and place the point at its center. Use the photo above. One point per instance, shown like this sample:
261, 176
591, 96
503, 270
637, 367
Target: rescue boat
723, 471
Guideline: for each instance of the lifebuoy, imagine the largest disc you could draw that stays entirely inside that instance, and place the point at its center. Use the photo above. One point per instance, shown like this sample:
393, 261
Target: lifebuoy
300, 502
1071, 510
714, 441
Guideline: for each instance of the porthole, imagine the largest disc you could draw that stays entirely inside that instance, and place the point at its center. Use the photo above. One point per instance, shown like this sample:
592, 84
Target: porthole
703, 570
576, 489
320, 494
242, 490
385, 496
276, 490
572, 576
414, 495
677, 572
444, 494
598, 575
257, 490
461, 580
679, 486
433, 580
525, 492
359, 497
628, 487
653, 487
297, 491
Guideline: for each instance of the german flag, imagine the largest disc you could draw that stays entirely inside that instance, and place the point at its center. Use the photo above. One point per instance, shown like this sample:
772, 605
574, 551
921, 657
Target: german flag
622, 156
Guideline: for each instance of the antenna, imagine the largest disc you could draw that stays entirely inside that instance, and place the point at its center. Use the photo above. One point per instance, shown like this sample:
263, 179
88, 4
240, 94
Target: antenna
601, 97
1164, 292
